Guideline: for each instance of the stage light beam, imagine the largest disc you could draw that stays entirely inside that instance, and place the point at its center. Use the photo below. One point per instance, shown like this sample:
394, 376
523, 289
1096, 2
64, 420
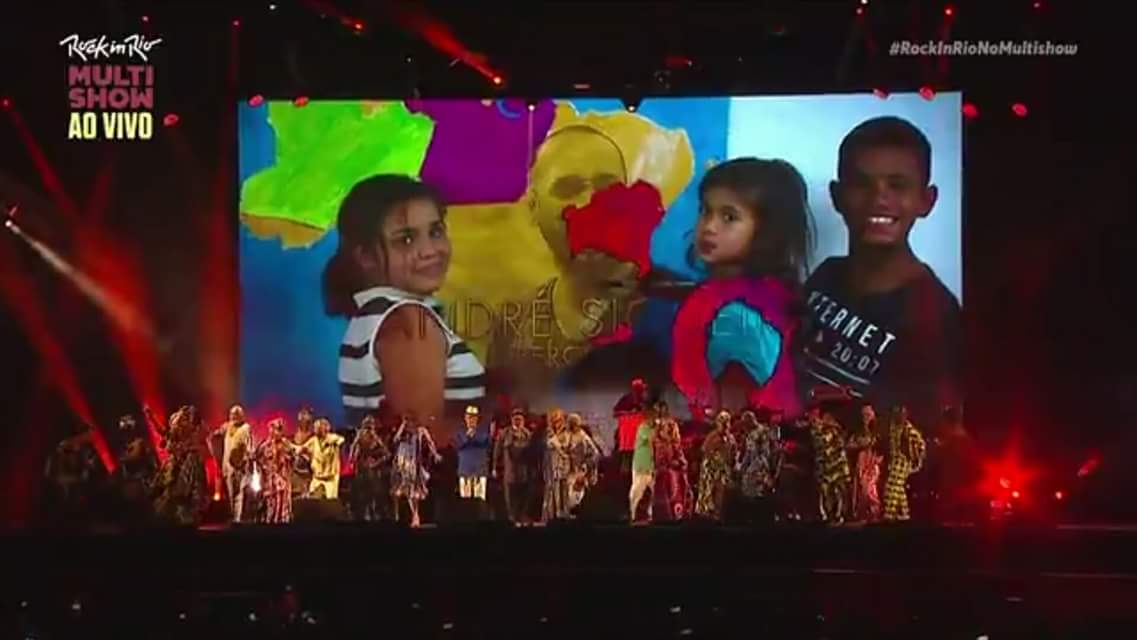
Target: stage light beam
124, 314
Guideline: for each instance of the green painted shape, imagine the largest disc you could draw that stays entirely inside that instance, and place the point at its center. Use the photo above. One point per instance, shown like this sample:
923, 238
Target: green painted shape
324, 148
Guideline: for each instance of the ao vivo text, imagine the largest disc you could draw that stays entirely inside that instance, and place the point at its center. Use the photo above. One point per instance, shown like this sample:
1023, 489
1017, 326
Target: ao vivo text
110, 125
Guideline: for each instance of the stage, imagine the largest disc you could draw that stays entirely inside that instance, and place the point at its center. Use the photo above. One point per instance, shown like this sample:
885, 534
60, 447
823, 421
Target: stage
938, 582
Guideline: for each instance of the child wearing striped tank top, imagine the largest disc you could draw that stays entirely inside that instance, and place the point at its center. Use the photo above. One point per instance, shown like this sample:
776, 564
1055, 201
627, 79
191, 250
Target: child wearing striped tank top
393, 254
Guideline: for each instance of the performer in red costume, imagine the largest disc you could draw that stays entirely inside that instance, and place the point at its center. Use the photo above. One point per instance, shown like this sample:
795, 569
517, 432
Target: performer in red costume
629, 413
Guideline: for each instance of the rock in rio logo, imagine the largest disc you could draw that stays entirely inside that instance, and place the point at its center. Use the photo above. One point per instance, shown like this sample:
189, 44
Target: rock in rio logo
110, 101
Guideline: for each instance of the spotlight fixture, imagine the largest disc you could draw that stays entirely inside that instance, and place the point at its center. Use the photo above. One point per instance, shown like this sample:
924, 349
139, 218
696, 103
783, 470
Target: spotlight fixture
236, 22
631, 99
970, 111
880, 93
300, 101
1019, 109
531, 104
170, 120
927, 92
497, 80
6, 102
256, 100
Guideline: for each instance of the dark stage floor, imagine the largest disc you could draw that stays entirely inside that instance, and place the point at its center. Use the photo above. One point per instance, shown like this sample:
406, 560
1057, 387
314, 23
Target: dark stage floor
562, 581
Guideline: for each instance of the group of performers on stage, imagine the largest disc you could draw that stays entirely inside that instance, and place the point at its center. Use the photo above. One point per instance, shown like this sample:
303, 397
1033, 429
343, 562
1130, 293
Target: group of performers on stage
763, 462
754, 466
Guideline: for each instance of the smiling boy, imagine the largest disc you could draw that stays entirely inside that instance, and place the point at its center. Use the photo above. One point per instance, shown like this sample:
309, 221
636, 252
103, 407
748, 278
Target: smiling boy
881, 321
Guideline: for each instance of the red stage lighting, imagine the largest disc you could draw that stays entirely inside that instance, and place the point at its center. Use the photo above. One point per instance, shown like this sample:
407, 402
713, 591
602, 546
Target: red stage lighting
880, 93
860, 11
236, 22
1038, 5
1005, 483
358, 25
146, 18
301, 101
675, 62
970, 110
1019, 109
1089, 466
497, 80
256, 100
949, 11
1016, 495
1058, 495
170, 120
927, 92
6, 103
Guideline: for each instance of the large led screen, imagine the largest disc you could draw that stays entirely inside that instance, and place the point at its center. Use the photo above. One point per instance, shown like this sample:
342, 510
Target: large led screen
729, 250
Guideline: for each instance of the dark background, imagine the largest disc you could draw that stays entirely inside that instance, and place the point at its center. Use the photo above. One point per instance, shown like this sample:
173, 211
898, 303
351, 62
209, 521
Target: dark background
1047, 205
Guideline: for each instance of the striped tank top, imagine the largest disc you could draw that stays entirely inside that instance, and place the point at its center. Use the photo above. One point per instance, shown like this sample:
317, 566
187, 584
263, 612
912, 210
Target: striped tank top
361, 382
